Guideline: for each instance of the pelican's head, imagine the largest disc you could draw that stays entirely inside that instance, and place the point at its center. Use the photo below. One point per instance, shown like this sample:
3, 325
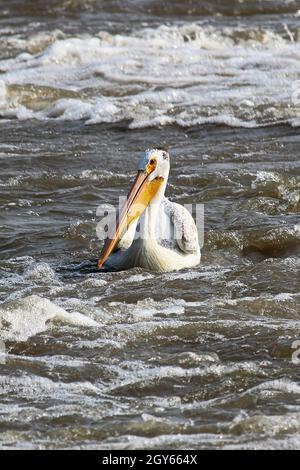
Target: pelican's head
150, 183
155, 162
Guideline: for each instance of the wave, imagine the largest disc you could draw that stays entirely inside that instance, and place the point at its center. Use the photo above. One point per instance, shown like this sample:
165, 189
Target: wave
176, 8
51, 181
188, 74
26, 317
269, 241
267, 425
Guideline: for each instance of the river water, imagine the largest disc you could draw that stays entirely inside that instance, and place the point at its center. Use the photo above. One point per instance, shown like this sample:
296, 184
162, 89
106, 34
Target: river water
196, 359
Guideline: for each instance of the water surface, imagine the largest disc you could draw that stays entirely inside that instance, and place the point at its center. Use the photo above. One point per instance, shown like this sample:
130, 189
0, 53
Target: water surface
194, 359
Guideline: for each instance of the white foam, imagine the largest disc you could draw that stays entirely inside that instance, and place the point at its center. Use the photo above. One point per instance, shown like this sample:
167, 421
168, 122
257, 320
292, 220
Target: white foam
145, 309
30, 315
164, 440
279, 385
40, 272
184, 74
192, 359
136, 372
2, 93
265, 177
33, 387
139, 278
101, 110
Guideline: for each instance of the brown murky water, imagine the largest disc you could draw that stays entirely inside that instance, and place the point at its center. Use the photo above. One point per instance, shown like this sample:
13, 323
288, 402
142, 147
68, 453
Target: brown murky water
194, 359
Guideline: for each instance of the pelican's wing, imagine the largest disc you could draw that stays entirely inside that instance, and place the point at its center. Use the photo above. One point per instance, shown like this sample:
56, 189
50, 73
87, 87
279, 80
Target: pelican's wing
178, 227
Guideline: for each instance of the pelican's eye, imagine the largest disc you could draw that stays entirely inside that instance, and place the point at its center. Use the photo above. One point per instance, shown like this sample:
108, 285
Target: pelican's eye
151, 165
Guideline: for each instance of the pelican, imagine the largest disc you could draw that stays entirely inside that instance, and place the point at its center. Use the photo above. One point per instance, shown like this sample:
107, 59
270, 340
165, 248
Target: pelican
151, 232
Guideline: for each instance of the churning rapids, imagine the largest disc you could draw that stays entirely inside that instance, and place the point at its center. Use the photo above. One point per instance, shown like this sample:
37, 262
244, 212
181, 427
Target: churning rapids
201, 358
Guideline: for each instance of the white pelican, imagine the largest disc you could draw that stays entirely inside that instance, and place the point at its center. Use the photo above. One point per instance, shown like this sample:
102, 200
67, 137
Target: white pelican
151, 232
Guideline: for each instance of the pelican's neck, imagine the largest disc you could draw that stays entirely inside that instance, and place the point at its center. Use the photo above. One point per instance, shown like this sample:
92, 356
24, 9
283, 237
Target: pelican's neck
148, 220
